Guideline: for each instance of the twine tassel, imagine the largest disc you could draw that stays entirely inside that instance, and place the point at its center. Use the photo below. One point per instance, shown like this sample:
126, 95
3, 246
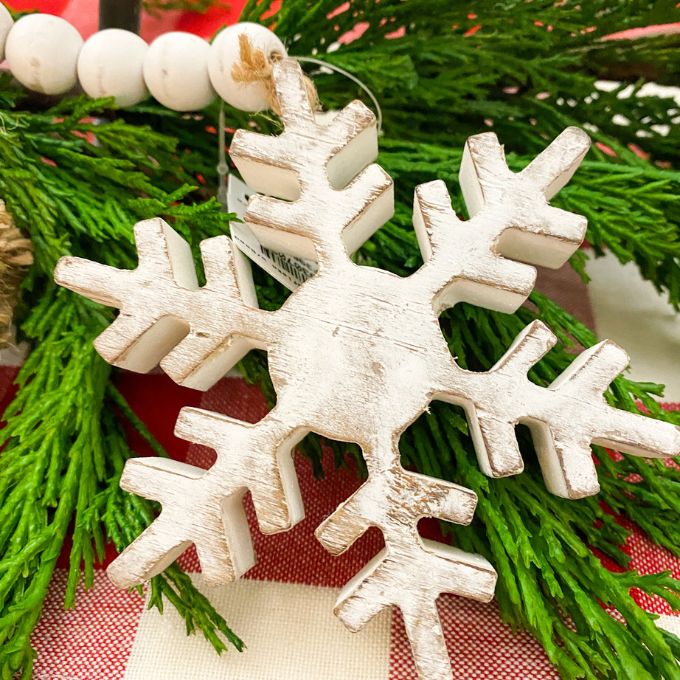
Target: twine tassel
15, 256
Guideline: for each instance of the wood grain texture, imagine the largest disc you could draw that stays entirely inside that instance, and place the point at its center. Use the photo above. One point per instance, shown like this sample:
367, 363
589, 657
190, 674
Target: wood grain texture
356, 354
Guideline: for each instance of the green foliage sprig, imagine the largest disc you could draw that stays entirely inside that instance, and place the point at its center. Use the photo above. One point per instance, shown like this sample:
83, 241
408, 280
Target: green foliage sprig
64, 448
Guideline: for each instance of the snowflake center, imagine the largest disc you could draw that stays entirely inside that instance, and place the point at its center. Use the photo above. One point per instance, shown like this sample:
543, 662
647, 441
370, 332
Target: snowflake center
364, 343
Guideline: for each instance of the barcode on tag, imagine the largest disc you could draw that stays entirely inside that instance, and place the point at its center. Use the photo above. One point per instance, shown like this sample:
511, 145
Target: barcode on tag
290, 271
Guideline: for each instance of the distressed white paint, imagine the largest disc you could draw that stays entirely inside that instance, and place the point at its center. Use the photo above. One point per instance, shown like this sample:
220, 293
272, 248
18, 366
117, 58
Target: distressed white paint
205, 507
356, 354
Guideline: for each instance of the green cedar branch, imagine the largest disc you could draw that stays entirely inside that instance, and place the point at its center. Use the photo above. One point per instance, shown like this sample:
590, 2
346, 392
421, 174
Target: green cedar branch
519, 67
63, 448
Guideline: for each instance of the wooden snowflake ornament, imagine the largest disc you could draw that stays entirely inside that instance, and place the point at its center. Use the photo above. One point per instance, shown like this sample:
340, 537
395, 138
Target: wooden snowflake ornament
356, 354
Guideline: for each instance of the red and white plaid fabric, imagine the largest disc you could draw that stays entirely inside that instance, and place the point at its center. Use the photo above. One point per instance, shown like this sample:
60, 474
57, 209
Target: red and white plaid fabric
284, 608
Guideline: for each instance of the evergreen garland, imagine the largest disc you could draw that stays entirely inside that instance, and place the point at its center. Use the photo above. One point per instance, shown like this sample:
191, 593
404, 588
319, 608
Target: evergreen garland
525, 70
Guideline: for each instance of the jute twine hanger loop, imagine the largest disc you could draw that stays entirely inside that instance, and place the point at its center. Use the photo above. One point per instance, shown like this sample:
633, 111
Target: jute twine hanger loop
15, 256
256, 67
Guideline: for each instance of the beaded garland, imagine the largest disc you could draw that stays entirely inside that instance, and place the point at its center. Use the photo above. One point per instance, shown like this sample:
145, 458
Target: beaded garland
46, 54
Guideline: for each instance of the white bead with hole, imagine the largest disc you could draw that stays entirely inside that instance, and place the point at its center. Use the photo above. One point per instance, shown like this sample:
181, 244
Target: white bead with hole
176, 71
42, 52
225, 53
111, 64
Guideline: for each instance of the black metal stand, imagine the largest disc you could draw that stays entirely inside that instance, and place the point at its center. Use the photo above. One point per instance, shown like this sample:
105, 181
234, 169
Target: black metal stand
119, 14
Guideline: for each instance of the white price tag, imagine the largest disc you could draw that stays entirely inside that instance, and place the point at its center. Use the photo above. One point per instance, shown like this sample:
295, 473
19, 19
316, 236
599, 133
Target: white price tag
290, 271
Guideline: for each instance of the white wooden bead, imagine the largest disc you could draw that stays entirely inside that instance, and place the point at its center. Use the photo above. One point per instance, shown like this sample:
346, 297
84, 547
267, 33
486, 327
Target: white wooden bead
111, 64
176, 71
225, 52
42, 52
6, 23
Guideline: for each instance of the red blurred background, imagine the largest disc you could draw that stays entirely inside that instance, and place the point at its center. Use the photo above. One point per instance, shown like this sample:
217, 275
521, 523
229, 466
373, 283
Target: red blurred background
83, 14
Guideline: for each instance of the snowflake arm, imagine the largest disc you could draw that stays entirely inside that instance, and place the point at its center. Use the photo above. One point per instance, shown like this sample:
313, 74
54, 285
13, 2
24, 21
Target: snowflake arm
324, 195
197, 334
511, 219
470, 261
204, 507
394, 499
564, 418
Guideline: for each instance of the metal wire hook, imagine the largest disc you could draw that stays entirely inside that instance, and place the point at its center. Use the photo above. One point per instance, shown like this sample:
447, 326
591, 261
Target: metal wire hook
353, 78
